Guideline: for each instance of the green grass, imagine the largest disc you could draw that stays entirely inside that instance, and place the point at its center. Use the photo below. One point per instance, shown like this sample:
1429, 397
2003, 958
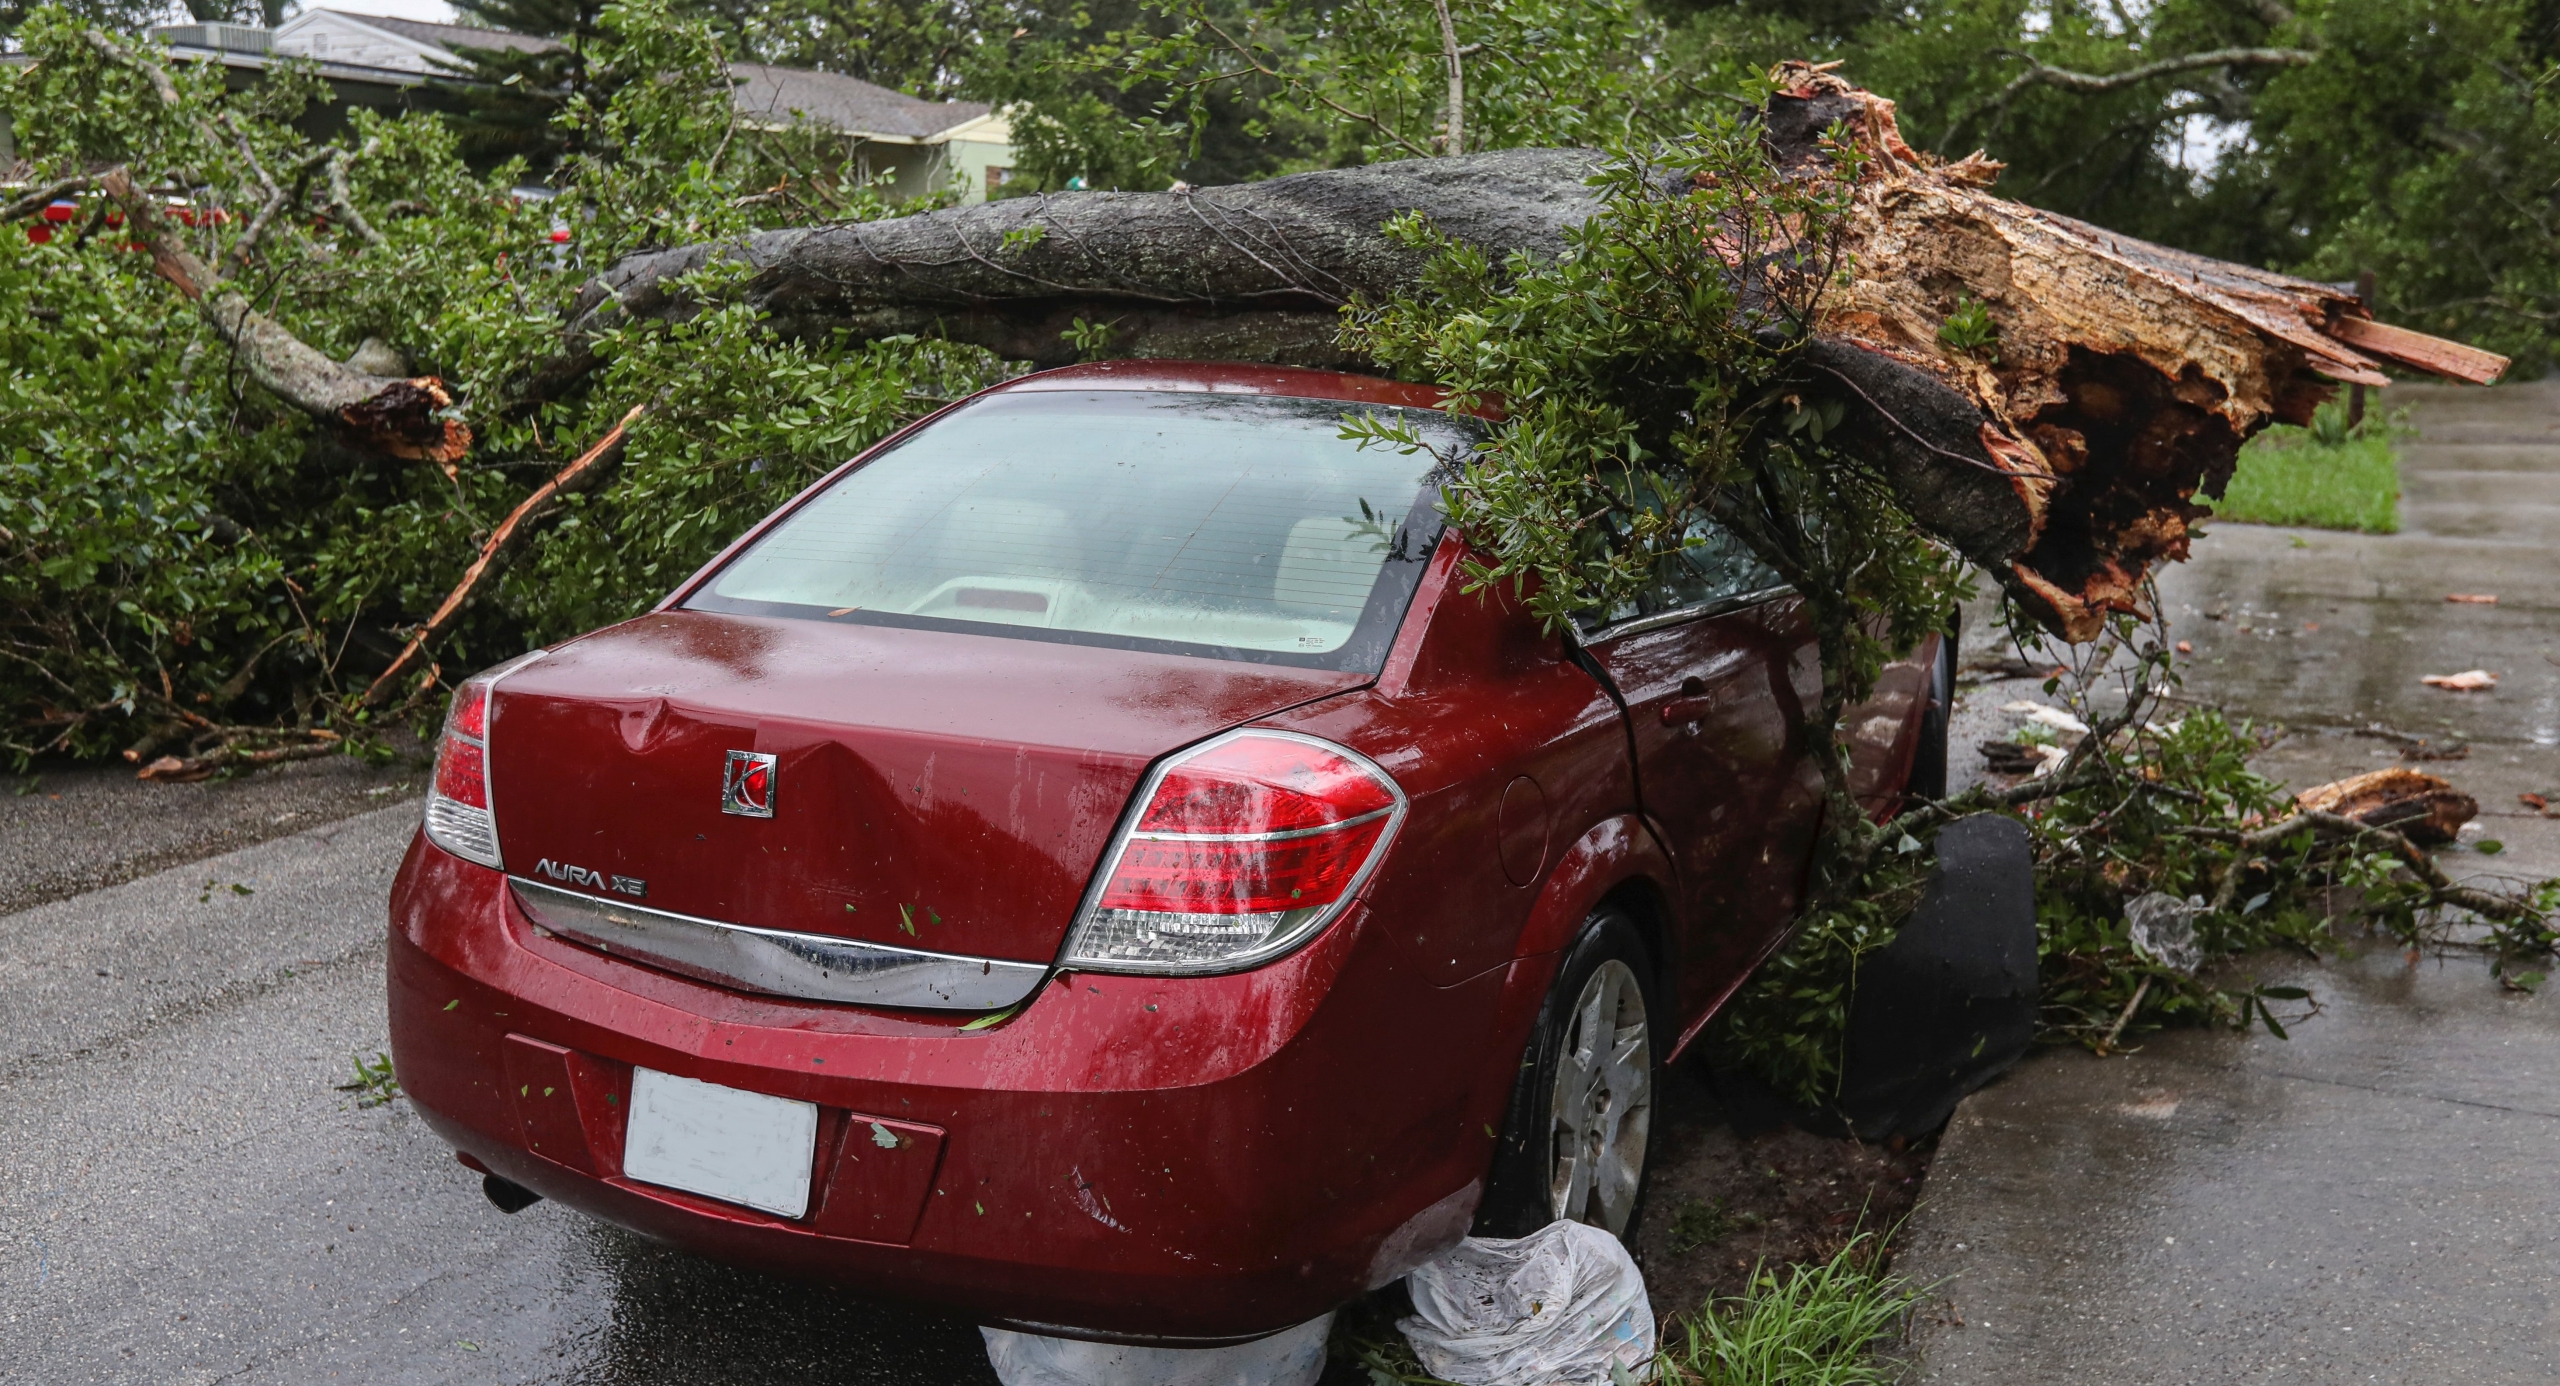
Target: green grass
2294, 476
1815, 1324
374, 1085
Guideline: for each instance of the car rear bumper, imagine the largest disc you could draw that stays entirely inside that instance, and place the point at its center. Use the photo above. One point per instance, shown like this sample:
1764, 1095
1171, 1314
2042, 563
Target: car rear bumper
1181, 1160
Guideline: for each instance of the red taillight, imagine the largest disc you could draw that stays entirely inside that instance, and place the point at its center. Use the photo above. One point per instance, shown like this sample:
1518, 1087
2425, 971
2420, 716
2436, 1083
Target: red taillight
1243, 849
1211, 877
462, 772
470, 715
1263, 784
458, 810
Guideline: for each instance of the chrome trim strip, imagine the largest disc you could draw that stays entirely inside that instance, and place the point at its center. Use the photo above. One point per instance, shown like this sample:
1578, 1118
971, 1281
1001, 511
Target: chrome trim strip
1637, 625
1283, 835
780, 963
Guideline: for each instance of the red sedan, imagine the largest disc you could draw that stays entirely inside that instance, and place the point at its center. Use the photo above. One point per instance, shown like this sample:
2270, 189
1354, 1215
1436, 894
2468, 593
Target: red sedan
1089, 864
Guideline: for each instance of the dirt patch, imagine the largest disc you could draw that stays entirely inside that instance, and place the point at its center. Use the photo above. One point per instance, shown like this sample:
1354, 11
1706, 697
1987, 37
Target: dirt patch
1721, 1202
1717, 1204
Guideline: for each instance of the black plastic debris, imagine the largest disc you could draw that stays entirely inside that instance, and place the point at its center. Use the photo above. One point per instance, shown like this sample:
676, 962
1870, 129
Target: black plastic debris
1950, 1004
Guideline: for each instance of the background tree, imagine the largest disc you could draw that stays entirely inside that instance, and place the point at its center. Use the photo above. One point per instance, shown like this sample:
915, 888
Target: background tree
1088, 116
924, 48
505, 102
123, 16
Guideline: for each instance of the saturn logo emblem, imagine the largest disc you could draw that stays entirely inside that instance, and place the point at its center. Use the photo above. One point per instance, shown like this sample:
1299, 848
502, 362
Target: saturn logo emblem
747, 788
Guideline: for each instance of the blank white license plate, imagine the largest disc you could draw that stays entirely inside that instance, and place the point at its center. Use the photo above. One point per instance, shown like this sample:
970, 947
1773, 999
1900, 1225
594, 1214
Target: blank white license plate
723, 1143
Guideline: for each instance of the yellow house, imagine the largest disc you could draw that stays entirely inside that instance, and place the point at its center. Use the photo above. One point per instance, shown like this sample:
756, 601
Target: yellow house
911, 146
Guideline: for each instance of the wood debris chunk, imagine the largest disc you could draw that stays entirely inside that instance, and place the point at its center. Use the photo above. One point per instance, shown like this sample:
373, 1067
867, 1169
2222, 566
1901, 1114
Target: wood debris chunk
2468, 681
2425, 808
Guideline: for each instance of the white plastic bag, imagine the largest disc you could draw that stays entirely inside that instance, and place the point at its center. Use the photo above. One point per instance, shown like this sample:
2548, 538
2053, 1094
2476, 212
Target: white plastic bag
2163, 929
1561, 1305
1293, 1357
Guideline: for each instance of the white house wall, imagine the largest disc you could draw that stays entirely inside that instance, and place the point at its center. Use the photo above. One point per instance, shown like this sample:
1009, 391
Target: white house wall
337, 38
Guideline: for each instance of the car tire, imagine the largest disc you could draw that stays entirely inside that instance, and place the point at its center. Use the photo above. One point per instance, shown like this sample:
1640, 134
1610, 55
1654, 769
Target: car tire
1574, 1142
1929, 761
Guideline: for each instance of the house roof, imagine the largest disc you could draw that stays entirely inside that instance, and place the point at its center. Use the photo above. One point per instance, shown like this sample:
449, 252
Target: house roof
775, 94
847, 103
451, 36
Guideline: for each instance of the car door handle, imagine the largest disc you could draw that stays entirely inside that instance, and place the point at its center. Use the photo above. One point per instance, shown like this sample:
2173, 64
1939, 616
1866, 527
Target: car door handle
1679, 710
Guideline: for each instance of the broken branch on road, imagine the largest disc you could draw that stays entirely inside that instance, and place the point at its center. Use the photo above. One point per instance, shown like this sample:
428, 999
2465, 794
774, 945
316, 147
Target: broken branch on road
241, 748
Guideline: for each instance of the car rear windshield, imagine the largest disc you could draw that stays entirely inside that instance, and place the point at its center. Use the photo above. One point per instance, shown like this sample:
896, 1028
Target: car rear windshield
1235, 526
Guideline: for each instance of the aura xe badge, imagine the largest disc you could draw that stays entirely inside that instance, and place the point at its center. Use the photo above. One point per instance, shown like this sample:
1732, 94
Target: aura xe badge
632, 886
747, 788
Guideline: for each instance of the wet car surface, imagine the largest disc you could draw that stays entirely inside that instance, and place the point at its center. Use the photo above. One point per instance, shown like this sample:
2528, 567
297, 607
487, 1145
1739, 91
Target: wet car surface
1070, 870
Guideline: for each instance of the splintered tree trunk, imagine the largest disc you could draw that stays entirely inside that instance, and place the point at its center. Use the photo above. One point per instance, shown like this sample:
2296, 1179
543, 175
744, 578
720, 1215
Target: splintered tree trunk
2066, 458
2124, 379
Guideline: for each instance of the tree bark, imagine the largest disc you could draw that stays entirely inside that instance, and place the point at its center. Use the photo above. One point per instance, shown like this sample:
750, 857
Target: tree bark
1254, 272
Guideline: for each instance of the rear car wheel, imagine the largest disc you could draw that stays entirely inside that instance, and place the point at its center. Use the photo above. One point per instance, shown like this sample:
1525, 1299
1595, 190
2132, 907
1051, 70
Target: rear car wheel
1929, 762
1573, 1145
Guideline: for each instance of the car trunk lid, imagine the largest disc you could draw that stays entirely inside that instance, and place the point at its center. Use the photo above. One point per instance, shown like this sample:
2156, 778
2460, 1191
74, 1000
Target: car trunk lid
930, 790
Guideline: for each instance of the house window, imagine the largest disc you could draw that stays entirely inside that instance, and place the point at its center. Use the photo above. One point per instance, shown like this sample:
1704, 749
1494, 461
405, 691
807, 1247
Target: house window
996, 174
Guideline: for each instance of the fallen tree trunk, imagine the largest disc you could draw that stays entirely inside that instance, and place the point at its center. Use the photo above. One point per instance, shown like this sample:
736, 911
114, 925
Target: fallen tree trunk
2066, 459
2065, 456
1253, 272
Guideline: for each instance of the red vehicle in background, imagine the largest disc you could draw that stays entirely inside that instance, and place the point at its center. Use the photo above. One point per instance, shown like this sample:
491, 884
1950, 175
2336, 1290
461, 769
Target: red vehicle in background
1087, 864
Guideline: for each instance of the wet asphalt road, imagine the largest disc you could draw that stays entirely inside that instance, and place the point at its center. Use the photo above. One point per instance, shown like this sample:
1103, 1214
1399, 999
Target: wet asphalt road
68, 830
186, 1198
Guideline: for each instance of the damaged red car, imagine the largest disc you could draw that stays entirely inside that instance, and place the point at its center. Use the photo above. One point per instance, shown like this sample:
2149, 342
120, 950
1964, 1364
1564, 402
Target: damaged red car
1089, 864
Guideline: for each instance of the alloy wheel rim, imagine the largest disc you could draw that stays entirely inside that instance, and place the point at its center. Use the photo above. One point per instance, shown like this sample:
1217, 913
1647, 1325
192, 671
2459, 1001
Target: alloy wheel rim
1603, 1107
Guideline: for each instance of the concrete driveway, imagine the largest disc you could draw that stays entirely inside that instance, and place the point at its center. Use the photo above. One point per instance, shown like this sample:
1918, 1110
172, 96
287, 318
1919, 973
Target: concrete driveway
2371, 1200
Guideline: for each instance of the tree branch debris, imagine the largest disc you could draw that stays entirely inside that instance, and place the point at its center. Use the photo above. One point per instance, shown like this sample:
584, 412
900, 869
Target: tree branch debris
588, 470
